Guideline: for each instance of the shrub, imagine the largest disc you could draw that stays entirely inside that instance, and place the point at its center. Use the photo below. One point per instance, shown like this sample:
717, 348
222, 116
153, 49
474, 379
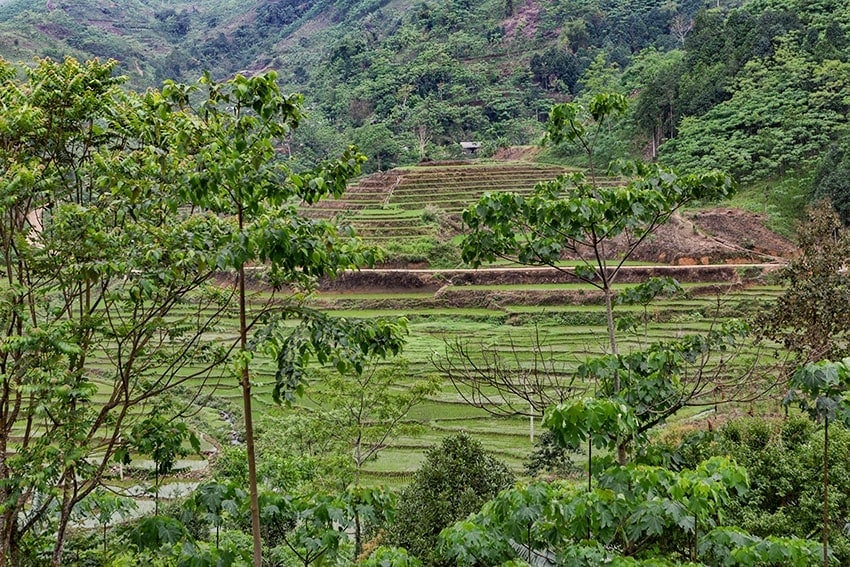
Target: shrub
455, 480
437, 253
548, 457
783, 459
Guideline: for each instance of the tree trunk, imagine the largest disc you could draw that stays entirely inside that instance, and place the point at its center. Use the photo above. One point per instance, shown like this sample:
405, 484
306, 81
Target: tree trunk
609, 319
825, 493
621, 453
64, 518
9, 544
6, 527
249, 420
612, 338
249, 427
358, 464
358, 538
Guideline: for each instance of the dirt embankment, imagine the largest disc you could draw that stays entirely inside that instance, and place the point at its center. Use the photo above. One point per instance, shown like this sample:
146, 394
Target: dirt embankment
712, 236
395, 280
724, 246
715, 236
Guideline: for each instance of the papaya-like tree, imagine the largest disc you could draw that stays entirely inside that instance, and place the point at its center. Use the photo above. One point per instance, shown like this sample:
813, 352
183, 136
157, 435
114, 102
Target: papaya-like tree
105, 507
820, 389
638, 515
580, 215
583, 216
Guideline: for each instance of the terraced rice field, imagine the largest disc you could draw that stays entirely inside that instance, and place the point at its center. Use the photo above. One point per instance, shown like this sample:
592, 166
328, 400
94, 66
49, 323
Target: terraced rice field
426, 201
491, 310
568, 332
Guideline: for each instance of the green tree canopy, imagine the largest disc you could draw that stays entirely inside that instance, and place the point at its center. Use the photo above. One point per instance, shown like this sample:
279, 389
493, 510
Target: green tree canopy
118, 211
457, 477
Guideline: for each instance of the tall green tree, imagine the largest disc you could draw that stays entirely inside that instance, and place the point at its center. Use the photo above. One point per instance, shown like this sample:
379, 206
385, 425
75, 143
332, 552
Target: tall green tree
105, 300
656, 111
118, 210
238, 171
580, 216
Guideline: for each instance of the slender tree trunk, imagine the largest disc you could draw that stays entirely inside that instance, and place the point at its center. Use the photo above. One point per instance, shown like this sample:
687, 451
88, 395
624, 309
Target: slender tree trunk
7, 518
6, 525
621, 453
825, 493
358, 538
9, 554
695, 545
612, 339
249, 427
358, 464
64, 517
589, 481
249, 421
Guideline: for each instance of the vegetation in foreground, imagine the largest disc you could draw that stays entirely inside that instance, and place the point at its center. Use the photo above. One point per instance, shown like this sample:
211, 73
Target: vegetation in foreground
118, 208
633, 508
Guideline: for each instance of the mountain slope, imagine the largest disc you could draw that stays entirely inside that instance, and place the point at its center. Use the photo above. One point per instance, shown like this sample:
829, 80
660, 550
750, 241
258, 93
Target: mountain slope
759, 88
434, 71
156, 40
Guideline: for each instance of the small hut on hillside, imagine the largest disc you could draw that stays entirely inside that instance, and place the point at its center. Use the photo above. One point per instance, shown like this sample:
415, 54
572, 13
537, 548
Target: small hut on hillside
470, 148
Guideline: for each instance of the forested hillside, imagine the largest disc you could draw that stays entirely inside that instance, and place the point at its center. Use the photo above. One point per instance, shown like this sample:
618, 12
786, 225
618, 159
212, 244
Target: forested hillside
758, 88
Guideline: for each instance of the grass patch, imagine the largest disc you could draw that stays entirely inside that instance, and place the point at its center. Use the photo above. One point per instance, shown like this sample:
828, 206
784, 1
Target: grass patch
782, 201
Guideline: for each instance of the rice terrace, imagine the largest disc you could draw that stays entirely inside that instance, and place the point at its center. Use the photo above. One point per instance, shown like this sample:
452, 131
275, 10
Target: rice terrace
722, 257
424, 283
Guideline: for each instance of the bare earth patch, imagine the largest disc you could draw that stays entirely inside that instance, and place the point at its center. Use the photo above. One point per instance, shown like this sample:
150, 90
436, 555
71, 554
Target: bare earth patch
706, 246
715, 236
516, 153
524, 21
